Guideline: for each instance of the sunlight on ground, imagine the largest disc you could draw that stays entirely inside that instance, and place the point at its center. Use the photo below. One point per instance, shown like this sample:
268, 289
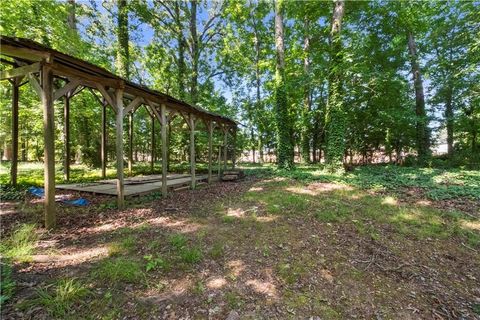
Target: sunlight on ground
390, 201
236, 267
266, 288
424, 203
256, 189
472, 225
316, 188
237, 213
180, 225
75, 257
267, 218
216, 283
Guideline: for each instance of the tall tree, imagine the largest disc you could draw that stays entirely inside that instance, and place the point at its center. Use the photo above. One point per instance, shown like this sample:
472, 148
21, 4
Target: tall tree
307, 103
335, 119
422, 131
123, 52
283, 122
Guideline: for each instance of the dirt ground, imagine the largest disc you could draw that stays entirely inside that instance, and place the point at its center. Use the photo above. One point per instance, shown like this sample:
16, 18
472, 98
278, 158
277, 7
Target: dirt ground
254, 264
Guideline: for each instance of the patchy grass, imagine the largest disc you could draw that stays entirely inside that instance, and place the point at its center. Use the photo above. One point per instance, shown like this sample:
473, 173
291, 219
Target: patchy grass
119, 269
339, 205
437, 184
7, 284
191, 255
21, 243
287, 246
124, 246
60, 298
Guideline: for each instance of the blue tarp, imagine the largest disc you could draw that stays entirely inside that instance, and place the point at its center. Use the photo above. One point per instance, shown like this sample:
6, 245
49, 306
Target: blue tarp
40, 193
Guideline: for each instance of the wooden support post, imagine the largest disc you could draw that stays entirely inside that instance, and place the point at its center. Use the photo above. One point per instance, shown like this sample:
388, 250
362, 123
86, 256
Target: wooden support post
163, 122
15, 98
103, 151
130, 143
66, 137
225, 148
219, 161
49, 141
234, 155
210, 142
119, 147
191, 121
152, 144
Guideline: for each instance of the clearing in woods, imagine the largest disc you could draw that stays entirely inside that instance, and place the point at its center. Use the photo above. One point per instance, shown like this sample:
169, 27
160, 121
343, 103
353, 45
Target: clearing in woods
386, 242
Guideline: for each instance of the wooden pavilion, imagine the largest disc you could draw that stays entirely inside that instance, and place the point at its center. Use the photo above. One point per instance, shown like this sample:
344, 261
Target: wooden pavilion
39, 65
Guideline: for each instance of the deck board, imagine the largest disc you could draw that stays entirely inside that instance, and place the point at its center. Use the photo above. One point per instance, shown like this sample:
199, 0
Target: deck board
141, 185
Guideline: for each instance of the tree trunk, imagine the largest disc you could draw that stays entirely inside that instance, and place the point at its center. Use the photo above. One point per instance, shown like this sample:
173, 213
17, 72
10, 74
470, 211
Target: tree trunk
181, 53
284, 127
422, 133
195, 52
71, 18
123, 54
335, 119
449, 119
305, 134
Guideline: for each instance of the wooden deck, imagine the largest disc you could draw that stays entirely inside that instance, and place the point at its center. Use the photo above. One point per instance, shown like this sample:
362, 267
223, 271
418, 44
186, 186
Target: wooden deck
134, 186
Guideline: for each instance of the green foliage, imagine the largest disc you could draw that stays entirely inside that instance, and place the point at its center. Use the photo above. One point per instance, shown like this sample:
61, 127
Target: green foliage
7, 284
20, 245
8, 192
191, 255
341, 201
154, 263
120, 269
217, 251
61, 298
178, 241
186, 254
124, 246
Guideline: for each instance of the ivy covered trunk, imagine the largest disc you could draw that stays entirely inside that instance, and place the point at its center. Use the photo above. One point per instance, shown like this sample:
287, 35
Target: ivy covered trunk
283, 122
422, 132
305, 138
335, 118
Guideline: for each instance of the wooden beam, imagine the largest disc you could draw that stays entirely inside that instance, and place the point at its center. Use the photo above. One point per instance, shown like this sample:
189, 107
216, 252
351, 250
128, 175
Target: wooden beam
15, 98
163, 121
49, 149
108, 97
66, 136
132, 105
25, 53
71, 86
20, 71
70, 72
191, 124
210, 146
119, 147
185, 117
35, 85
